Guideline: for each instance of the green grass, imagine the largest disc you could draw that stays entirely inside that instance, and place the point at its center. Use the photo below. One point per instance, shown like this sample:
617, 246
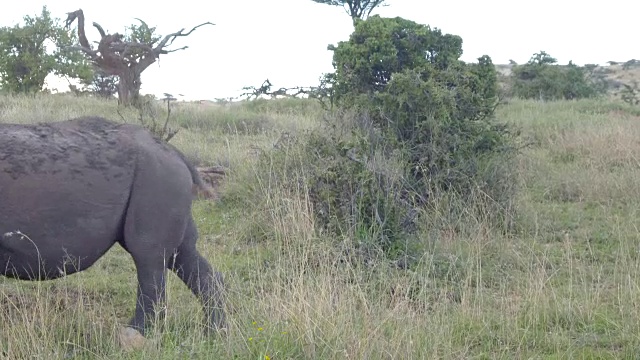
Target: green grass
566, 284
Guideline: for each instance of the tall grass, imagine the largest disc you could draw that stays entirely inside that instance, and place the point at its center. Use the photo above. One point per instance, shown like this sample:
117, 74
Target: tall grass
565, 284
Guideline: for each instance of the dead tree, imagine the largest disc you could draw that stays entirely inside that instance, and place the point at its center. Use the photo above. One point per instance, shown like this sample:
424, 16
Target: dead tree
124, 59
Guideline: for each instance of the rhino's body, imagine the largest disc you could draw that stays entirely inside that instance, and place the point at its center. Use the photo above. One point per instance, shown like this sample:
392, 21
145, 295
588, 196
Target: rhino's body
70, 190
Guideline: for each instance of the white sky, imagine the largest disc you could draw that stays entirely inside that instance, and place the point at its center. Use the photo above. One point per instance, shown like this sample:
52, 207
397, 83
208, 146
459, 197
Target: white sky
286, 40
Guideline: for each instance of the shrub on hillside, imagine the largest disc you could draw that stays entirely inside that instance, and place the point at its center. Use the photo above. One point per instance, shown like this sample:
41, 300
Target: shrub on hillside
423, 131
541, 78
630, 93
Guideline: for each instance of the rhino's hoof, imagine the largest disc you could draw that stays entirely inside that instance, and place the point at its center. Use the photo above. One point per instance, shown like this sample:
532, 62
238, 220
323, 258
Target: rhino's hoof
130, 339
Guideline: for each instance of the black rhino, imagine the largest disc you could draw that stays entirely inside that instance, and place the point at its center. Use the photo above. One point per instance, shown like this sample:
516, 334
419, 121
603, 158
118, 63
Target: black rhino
71, 190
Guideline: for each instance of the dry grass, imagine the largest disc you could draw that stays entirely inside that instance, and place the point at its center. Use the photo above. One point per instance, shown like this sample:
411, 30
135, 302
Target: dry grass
565, 286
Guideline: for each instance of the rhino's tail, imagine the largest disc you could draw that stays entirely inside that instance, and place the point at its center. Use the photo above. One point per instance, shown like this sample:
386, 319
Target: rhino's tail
195, 176
200, 188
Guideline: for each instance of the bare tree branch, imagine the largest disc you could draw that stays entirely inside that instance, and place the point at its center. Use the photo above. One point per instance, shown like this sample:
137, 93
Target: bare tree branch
173, 50
142, 22
168, 40
82, 36
89, 52
100, 29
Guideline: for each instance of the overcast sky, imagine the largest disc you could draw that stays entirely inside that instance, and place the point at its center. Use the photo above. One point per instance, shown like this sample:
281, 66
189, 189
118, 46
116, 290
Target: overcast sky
286, 40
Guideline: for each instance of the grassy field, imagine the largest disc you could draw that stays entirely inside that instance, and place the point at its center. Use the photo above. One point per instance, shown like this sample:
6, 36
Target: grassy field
566, 284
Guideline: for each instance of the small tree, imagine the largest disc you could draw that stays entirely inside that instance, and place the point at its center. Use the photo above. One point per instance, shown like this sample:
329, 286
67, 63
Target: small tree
125, 57
381, 47
423, 134
357, 9
27, 57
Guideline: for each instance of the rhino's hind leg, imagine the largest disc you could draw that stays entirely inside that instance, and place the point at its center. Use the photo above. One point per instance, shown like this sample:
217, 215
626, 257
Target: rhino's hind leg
207, 285
151, 259
151, 292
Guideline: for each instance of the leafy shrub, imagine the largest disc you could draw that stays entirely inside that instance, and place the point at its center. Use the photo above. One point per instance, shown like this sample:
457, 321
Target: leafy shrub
630, 93
380, 47
434, 108
542, 79
445, 133
354, 182
423, 132
102, 84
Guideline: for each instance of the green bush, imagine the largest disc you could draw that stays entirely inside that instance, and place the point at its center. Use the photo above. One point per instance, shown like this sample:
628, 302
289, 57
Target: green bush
355, 184
423, 134
630, 93
434, 108
446, 134
380, 47
541, 78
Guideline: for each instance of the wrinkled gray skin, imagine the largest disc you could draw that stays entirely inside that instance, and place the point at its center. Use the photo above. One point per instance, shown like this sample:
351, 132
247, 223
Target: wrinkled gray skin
70, 190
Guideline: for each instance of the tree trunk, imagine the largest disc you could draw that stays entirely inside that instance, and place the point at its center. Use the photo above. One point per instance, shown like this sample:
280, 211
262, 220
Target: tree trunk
129, 87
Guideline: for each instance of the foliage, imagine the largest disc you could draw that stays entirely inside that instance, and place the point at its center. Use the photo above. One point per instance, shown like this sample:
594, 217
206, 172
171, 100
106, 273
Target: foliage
356, 184
356, 9
445, 133
253, 92
435, 107
148, 110
487, 75
140, 34
630, 64
631, 93
324, 92
27, 57
380, 47
541, 78
102, 84
428, 113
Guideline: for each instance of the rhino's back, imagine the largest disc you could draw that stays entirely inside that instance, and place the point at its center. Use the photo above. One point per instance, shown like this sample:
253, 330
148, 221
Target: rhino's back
62, 181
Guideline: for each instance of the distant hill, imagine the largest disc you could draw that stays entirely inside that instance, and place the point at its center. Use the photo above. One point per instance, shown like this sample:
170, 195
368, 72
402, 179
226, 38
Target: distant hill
615, 74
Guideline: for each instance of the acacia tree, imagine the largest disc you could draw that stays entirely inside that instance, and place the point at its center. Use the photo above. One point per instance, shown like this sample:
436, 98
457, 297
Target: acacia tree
30, 52
127, 57
357, 9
